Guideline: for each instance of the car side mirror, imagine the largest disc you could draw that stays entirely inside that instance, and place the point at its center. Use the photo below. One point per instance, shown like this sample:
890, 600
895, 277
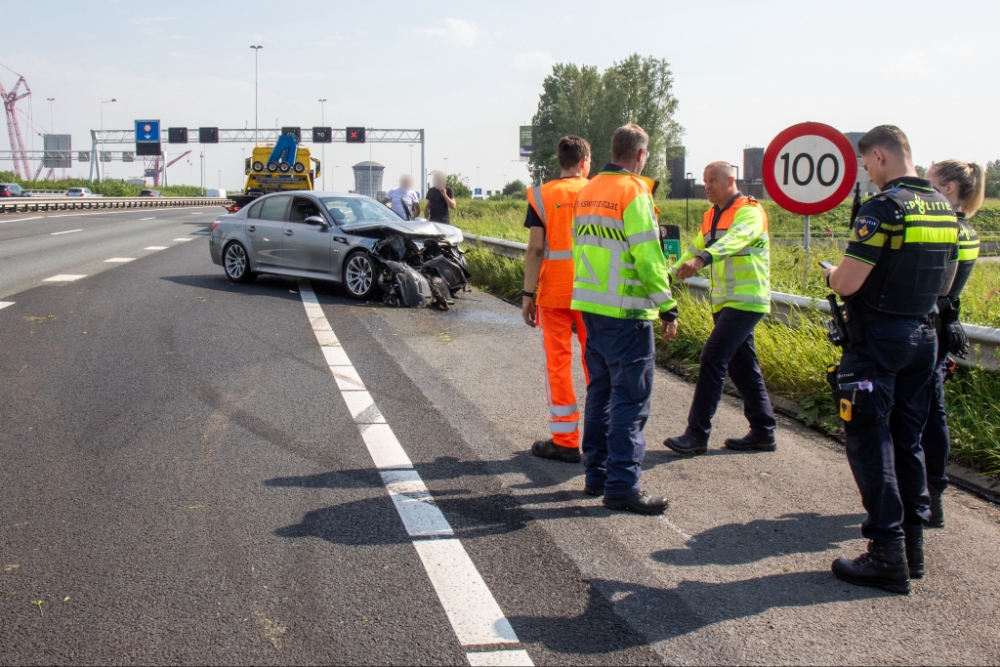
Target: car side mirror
317, 220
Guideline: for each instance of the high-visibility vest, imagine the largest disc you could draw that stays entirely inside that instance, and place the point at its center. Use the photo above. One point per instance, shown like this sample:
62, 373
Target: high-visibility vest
553, 202
920, 245
619, 267
968, 252
738, 246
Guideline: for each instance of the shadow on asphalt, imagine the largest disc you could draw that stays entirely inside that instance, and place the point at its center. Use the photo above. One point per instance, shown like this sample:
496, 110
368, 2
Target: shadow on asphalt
739, 544
690, 606
273, 286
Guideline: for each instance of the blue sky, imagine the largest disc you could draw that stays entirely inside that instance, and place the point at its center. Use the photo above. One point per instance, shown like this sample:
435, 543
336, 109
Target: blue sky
470, 73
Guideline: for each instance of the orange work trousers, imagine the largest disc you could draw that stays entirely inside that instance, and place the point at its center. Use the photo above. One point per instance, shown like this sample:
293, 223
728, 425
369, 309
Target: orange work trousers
556, 325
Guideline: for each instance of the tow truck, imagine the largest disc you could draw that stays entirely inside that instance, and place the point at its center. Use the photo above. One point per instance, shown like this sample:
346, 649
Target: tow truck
284, 167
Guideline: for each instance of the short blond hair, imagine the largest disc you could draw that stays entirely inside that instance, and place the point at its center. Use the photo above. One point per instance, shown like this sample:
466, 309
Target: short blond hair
970, 179
627, 141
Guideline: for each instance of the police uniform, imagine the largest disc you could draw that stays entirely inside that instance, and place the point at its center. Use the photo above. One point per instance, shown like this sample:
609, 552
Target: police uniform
936, 441
908, 233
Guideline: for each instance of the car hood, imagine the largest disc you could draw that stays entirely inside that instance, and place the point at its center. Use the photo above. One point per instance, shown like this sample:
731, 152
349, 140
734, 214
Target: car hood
409, 228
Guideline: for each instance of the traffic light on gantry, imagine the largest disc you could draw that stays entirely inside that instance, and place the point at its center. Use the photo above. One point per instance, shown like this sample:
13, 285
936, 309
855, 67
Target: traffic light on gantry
355, 135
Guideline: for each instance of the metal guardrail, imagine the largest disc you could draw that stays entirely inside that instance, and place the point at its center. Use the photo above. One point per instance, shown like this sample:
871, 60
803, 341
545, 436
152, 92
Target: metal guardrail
985, 342
39, 204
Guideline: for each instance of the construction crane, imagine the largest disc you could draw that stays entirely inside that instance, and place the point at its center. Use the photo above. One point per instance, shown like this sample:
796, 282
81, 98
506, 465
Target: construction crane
158, 169
10, 100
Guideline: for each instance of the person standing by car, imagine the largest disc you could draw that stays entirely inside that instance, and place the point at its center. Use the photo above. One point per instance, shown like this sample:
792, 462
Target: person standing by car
403, 200
440, 200
620, 285
963, 184
548, 267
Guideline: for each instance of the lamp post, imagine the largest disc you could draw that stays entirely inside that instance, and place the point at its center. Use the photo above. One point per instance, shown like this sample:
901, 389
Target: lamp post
256, 125
322, 122
446, 170
411, 159
477, 177
102, 110
52, 122
687, 196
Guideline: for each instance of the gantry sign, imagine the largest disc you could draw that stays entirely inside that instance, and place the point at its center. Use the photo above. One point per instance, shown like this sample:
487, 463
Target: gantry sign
308, 135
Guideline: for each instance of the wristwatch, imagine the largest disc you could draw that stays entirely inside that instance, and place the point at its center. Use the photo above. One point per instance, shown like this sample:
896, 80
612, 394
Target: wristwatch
530, 295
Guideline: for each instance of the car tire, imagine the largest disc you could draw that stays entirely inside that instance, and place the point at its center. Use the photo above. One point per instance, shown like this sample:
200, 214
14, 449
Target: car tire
360, 276
299, 167
272, 166
236, 263
258, 166
284, 167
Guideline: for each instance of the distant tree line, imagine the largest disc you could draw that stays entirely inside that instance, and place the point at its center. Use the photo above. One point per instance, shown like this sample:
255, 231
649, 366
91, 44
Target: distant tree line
581, 100
993, 179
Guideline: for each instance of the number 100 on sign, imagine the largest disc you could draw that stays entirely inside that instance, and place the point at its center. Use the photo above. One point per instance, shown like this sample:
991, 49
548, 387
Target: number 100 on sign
809, 169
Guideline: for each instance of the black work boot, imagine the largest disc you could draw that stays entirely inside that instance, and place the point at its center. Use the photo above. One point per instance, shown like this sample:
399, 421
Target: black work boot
595, 491
915, 549
688, 445
640, 503
882, 566
547, 449
752, 442
937, 510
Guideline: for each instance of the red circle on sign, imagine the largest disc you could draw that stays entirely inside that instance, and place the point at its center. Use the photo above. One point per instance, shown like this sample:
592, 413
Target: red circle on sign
847, 154
147, 127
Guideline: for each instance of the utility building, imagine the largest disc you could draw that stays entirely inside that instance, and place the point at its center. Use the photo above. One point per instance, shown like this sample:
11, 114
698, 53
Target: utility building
676, 157
368, 179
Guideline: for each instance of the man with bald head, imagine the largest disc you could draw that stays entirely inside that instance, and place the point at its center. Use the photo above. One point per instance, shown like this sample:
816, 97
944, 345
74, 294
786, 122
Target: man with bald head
734, 245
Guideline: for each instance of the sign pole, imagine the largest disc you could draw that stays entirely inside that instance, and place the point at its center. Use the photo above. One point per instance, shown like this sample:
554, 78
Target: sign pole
805, 235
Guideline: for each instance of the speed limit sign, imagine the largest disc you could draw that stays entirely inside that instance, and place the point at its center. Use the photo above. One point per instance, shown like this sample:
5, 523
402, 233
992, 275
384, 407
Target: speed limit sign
809, 168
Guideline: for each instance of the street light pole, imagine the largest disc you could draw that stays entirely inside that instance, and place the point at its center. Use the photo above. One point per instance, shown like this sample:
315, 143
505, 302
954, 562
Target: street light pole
687, 197
102, 110
256, 124
322, 122
52, 121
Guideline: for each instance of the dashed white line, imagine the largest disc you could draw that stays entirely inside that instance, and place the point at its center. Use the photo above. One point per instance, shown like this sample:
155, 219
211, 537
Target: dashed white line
119, 260
471, 608
156, 247
64, 278
37, 217
182, 240
145, 219
4, 304
68, 231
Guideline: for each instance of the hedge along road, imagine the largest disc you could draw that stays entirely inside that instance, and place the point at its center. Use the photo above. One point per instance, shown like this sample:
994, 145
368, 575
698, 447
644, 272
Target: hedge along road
183, 482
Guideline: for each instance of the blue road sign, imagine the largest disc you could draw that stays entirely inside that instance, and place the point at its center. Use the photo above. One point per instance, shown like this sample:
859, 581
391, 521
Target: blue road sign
147, 131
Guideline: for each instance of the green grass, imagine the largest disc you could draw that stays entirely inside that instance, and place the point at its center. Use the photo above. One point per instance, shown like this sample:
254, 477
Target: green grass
106, 188
793, 360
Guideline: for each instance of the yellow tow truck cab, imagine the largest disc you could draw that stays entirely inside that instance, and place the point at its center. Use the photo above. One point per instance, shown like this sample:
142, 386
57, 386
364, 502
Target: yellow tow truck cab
282, 167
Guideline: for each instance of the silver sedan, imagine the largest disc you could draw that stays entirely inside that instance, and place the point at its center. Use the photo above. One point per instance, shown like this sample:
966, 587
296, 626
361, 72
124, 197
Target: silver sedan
315, 235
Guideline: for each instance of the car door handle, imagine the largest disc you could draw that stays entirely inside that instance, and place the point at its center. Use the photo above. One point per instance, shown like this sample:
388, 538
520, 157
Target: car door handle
251, 228
289, 232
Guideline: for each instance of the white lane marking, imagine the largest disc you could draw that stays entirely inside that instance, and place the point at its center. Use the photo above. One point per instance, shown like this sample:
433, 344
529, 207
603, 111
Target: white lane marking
64, 278
4, 304
474, 614
470, 606
415, 505
499, 659
68, 231
186, 238
78, 215
196, 213
145, 219
37, 217
156, 247
119, 260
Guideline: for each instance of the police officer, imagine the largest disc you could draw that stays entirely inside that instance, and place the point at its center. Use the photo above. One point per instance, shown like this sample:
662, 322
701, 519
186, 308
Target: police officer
900, 260
963, 184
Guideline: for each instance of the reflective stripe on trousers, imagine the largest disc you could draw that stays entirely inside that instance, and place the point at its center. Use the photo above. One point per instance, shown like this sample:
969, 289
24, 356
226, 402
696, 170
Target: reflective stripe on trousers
556, 326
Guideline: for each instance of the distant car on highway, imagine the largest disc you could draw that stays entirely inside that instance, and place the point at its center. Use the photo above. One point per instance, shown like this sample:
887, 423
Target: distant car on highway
79, 192
329, 236
13, 190
150, 193
215, 194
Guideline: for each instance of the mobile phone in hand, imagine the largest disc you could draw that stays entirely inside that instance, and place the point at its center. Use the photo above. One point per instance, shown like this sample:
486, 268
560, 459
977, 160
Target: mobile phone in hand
826, 265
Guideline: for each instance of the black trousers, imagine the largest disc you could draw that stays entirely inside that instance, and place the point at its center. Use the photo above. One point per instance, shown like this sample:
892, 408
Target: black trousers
730, 348
936, 440
887, 380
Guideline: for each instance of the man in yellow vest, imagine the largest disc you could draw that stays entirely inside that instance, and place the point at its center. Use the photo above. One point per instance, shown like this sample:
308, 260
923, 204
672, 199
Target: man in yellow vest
548, 267
734, 245
621, 286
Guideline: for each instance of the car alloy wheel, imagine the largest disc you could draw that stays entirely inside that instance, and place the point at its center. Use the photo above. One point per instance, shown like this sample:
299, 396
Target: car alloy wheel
272, 166
237, 264
299, 167
284, 167
359, 275
258, 166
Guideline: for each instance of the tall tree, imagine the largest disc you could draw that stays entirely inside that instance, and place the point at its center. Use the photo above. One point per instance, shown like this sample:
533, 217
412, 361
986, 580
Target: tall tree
993, 179
578, 100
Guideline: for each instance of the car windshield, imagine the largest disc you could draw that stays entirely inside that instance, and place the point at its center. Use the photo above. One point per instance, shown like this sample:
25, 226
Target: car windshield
347, 210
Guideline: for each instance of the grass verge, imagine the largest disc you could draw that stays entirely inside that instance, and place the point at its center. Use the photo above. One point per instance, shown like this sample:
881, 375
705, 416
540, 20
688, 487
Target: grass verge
794, 362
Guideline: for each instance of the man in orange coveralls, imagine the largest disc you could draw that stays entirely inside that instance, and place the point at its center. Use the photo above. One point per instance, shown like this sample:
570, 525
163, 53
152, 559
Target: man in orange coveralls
548, 265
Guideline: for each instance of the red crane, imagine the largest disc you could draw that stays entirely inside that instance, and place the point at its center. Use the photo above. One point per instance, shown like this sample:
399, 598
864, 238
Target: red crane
158, 169
10, 100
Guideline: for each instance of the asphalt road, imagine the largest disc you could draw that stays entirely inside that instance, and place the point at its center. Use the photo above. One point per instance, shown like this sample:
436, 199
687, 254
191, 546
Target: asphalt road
192, 472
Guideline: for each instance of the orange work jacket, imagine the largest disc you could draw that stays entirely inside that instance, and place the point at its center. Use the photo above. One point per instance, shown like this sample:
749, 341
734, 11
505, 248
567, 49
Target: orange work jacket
554, 202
